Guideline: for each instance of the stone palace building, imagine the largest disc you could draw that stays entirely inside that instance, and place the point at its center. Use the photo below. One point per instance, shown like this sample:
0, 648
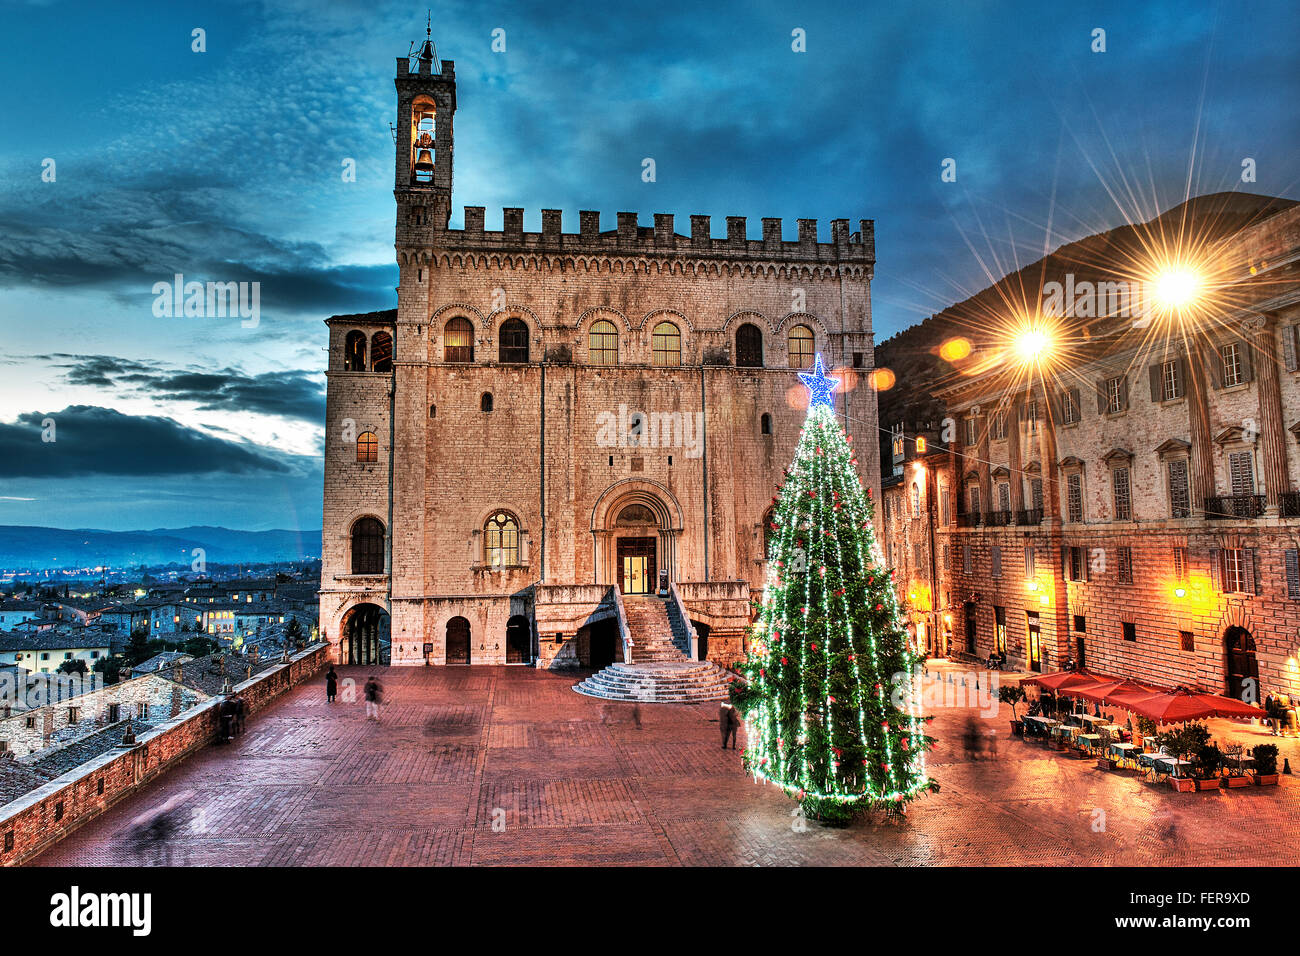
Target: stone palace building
1132, 503
552, 422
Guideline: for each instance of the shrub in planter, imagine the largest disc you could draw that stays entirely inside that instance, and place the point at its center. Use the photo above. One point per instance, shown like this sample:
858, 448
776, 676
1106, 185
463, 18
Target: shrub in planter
1265, 763
1205, 766
1013, 694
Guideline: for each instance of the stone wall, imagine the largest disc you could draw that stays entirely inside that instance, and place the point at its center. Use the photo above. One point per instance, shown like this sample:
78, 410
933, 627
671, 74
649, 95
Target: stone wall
48, 814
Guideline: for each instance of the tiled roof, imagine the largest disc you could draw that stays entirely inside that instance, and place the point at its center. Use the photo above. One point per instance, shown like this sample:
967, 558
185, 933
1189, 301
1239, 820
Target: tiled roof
55, 638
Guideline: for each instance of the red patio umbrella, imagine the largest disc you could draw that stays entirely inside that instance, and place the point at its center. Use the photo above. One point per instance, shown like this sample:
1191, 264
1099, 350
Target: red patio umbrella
1059, 680
1102, 692
1173, 707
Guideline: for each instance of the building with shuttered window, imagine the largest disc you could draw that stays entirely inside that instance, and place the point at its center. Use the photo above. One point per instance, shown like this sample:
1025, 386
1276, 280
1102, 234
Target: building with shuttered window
1132, 502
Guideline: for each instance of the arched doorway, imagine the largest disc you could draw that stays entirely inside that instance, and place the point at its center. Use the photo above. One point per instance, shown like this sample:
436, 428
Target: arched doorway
458, 641
519, 640
1242, 665
366, 636
637, 549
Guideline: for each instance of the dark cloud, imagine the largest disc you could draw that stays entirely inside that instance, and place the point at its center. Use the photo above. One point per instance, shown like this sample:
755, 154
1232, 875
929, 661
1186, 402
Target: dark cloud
291, 394
90, 440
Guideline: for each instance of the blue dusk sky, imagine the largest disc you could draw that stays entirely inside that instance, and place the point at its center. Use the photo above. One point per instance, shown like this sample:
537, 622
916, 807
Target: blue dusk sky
226, 165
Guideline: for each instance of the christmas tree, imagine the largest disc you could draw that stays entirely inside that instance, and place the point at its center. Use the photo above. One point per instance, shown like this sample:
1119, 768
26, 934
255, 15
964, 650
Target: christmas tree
830, 706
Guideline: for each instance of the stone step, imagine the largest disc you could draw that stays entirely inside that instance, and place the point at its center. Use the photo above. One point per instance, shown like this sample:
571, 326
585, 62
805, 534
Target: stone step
681, 681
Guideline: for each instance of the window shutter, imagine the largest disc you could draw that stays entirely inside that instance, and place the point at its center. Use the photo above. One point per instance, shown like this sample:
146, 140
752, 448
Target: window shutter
1180, 376
1065, 564
1288, 347
1087, 563
1216, 568
1153, 373
1123, 393
1101, 397
1252, 579
1292, 574
1247, 368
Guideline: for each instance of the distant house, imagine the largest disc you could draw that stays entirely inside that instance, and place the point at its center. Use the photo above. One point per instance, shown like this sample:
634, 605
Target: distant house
159, 661
14, 613
43, 651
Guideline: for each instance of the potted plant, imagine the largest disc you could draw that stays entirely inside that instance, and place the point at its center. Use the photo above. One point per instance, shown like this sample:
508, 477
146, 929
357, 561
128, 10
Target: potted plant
1205, 766
1265, 764
1013, 694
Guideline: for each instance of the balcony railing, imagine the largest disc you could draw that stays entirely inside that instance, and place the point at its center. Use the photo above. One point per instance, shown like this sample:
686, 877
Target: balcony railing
996, 519
1234, 506
965, 520
1290, 504
1029, 516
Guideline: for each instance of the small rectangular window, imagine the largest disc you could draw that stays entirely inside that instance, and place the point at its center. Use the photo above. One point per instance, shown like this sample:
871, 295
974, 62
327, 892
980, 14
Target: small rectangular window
1130, 631
1241, 470
1180, 564
1031, 568
1186, 641
1114, 395
1074, 497
1232, 367
1080, 624
1125, 560
965, 559
9, 841
1119, 479
995, 554
1180, 496
1170, 382
1070, 406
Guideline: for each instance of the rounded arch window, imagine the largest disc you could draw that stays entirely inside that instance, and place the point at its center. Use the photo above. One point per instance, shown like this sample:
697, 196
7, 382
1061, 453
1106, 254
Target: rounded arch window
367, 447
485, 402
801, 347
513, 342
749, 346
916, 500
666, 344
381, 352
765, 424
501, 540
368, 546
458, 340
602, 343
354, 351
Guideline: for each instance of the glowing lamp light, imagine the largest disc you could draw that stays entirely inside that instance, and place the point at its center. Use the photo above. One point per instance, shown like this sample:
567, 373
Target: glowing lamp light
920, 446
1033, 585
1032, 344
1180, 592
1176, 288
1044, 600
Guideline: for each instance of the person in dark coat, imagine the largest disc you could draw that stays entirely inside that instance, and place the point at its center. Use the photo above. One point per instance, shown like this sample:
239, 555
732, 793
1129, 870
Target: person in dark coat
226, 719
331, 684
729, 722
239, 714
374, 697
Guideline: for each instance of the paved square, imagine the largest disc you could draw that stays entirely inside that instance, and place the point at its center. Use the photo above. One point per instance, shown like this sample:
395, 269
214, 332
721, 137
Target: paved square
567, 779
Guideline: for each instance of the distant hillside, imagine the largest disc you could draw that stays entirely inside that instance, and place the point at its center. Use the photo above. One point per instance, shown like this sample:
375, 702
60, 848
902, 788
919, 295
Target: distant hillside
24, 547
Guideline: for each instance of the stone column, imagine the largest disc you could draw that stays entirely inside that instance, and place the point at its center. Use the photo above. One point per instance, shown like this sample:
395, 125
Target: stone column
1013, 456
1198, 412
1272, 428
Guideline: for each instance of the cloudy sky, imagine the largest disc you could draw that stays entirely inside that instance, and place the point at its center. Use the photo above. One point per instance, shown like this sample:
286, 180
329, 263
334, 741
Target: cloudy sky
226, 165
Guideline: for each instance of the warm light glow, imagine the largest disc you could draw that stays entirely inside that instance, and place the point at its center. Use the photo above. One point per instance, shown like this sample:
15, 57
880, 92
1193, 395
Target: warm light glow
955, 349
1032, 344
1033, 585
1180, 592
920, 446
1177, 287
1044, 600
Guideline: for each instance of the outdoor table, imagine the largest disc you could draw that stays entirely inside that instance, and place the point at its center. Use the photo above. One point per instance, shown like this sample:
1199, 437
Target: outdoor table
1089, 742
1127, 753
1174, 763
1092, 719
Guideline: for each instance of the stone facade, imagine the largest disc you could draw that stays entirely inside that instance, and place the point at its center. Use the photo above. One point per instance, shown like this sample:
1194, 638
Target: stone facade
1135, 509
534, 428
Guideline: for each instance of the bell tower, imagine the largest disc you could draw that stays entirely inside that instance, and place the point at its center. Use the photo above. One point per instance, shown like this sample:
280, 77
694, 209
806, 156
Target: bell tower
426, 102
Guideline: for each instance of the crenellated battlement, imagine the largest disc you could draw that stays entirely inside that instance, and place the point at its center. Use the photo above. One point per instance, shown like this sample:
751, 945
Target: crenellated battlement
629, 236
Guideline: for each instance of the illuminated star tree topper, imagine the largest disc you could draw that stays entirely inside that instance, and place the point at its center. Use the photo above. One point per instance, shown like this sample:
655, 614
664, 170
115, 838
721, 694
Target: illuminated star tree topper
821, 387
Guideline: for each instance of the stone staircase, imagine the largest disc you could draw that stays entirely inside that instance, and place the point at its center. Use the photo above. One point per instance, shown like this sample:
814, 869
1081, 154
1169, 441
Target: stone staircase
661, 670
654, 639
680, 682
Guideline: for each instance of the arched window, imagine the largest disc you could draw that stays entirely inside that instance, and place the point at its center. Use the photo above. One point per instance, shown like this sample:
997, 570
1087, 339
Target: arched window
368, 546
666, 344
801, 347
765, 424
433, 411
501, 541
636, 514
513, 342
749, 346
354, 351
367, 447
602, 346
485, 402
458, 341
423, 138
916, 500
381, 352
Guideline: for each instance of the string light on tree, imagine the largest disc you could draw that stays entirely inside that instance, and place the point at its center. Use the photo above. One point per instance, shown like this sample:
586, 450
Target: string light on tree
831, 702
